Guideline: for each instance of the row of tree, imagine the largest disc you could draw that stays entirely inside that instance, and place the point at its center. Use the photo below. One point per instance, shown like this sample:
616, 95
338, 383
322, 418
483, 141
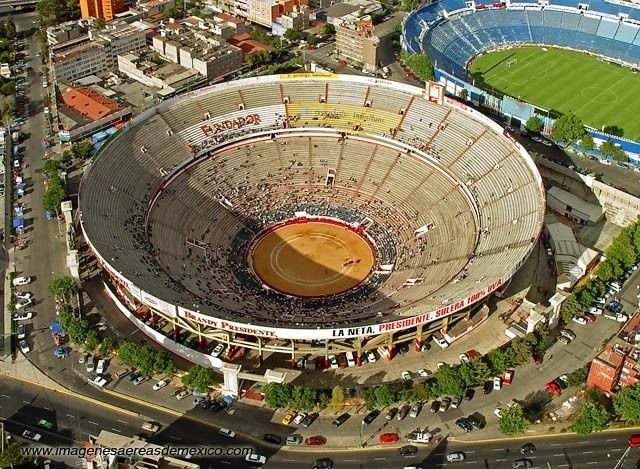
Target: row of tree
621, 256
146, 359
283, 396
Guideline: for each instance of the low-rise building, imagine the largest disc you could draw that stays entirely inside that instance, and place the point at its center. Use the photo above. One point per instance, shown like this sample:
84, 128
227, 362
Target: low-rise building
298, 20
89, 103
357, 43
204, 52
265, 12
573, 207
168, 78
67, 31
119, 38
86, 59
614, 368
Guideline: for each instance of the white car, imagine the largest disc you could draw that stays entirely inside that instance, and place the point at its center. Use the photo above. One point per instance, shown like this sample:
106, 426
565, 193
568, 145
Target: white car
440, 365
333, 361
464, 358
31, 435
24, 346
21, 281
226, 432
423, 373
98, 381
580, 320
441, 342
455, 457
159, 385
217, 350
24, 295
21, 330
406, 376
151, 427
139, 380
497, 383
371, 356
620, 317
255, 458
299, 418
100, 367
498, 412
182, 394
22, 304
23, 316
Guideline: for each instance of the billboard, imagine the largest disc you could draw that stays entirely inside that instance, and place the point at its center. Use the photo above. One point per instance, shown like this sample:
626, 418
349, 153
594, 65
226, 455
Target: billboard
157, 304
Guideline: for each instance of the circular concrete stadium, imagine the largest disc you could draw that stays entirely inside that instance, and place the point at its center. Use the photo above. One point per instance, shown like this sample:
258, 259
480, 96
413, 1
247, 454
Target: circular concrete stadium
308, 214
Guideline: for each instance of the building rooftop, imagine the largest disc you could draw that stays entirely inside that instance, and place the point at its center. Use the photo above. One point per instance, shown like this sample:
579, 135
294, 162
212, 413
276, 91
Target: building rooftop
201, 44
592, 210
72, 53
89, 103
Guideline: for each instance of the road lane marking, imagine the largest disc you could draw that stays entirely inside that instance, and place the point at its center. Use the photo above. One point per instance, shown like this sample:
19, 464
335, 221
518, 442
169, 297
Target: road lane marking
501, 459
587, 452
289, 460
559, 454
498, 449
555, 444
469, 452
174, 438
26, 402
349, 460
4, 395
46, 408
116, 430
69, 415
379, 459
594, 462
612, 439
122, 421
224, 461
93, 423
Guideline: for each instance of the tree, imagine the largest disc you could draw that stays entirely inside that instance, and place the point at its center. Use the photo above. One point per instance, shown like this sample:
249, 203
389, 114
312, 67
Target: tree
51, 167
128, 353
12, 455
53, 197
570, 308
421, 66
578, 377
626, 403
608, 147
569, 128
512, 420
474, 373
534, 124
261, 57
107, 347
199, 378
463, 94
171, 13
448, 381
163, 364
337, 397
587, 142
420, 392
519, 352
98, 24
312, 39
66, 157
592, 418
7, 108
63, 288
92, 340
277, 395
329, 29
613, 130
292, 35
82, 150
498, 361
10, 27
409, 5
385, 395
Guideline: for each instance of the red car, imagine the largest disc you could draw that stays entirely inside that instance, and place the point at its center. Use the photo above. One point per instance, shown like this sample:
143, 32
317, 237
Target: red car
553, 388
589, 317
389, 438
315, 441
508, 377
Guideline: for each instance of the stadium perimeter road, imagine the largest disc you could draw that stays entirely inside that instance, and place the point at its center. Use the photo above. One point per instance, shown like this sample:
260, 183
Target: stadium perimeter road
22, 406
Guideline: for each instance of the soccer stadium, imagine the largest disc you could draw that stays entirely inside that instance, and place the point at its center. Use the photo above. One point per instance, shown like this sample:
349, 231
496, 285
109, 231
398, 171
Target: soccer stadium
548, 73
308, 214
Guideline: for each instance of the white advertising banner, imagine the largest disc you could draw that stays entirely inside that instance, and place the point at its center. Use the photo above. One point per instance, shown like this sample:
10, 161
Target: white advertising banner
317, 334
157, 304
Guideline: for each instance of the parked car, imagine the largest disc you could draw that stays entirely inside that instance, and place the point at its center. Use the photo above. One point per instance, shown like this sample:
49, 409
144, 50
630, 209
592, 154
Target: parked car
299, 418
255, 459
580, 320
288, 418
391, 413
423, 373
181, 394
44, 423
139, 380
408, 450
21, 331
89, 364
315, 441
371, 356
98, 381
22, 304
497, 383
217, 351
403, 412
564, 340
271, 438
444, 404
370, 417
508, 377
476, 422
60, 352
464, 358
441, 342
469, 393
464, 424
435, 407
415, 410
339, 420
569, 334
132, 376
159, 385
389, 438
24, 346
333, 361
101, 366
589, 317
227, 433
22, 316
294, 440
24, 295
18, 281
487, 387
456, 401
406, 376
151, 427
309, 419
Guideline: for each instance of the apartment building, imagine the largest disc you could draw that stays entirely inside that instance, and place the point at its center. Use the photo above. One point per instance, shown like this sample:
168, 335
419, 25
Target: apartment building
202, 51
78, 62
298, 20
103, 9
357, 43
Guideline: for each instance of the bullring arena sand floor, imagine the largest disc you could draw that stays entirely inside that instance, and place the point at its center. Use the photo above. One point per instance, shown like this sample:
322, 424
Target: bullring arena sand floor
312, 258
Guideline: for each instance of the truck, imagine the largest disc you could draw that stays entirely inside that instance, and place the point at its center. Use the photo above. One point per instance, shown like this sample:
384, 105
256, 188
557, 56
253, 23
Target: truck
420, 437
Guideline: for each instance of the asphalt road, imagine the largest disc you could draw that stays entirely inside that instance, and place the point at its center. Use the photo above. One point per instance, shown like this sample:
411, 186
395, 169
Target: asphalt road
22, 405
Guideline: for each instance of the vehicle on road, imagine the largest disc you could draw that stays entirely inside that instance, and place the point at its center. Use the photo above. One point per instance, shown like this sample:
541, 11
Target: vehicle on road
497, 383
44, 423
271, 438
24, 346
22, 316
160, 384
89, 364
19, 281
403, 412
22, 304
458, 456
315, 440
299, 418
388, 438
634, 441
370, 417
391, 413
521, 464
226, 432
28, 434
309, 419
408, 450
580, 320
323, 463
255, 459
339, 420
507, 378
150, 427
21, 331
24, 295
528, 448
568, 333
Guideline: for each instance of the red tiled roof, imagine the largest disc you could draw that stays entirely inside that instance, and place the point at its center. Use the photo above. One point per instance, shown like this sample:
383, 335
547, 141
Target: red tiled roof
248, 45
229, 18
90, 103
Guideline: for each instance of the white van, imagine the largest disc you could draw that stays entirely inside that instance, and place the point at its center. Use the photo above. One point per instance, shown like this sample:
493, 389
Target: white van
351, 361
226, 432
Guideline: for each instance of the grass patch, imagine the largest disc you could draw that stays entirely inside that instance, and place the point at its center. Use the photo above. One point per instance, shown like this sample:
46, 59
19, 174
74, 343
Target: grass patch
600, 93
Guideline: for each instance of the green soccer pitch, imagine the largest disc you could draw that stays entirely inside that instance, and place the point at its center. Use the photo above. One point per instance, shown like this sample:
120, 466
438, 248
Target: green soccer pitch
600, 93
